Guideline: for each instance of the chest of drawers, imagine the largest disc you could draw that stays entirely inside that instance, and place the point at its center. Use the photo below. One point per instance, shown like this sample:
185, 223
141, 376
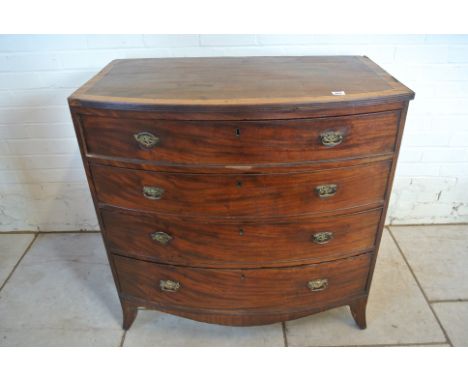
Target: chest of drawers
241, 191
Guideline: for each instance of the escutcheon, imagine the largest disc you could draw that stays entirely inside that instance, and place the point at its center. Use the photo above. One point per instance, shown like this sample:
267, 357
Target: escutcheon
146, 140
322, 237
326, 190
151, 192
161, 237
169, 285
317, 285
331, 138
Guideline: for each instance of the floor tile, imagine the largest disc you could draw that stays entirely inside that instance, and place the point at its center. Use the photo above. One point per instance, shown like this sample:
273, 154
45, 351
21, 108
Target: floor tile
397, 312
76, 247
438, 256
153, 328
64, 285
12, 247
454, 319
60, 337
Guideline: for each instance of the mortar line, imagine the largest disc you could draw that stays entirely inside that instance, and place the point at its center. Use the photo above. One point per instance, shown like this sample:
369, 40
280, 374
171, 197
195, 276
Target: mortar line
420, 286
19, 261
285, 338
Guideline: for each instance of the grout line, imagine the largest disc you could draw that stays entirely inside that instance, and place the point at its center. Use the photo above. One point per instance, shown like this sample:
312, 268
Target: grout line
420, 287
123, 338
399, 345
17, 263
285, 338
46, 232
449, 300
423, 225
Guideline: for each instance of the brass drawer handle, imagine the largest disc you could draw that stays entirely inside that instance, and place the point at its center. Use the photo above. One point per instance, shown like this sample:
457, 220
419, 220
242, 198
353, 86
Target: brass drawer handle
161, 237
154, 193
322, 237
169, 285
146, 140
326, 190
317, 285
331, 138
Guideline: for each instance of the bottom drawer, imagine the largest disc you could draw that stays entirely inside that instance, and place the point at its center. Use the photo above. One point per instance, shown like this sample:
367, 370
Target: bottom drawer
264, 290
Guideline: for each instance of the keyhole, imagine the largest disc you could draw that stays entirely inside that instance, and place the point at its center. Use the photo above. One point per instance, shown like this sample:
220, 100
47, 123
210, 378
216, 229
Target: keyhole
241, 232
239, 183
237, 132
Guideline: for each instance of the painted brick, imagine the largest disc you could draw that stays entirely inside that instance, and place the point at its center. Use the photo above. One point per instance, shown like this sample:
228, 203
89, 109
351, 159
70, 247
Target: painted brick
4, 147
435, 72
41, 162
228, 40
441, 155
66, 79
253, 51
114, 41
447, 39
16, 132
12, 81
43, 176
379, 54
417, 169
416, 122
457, 54
43, 146
88, 59
20, 115
424, 138
171, 41
459, 139
457, 193
36, 97
198, 51
340, 39
29, 62
410, 155
454, 169
421, 54
21, 43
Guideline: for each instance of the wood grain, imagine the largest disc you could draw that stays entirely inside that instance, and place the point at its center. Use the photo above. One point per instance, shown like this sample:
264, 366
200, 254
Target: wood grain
238, 81
241, 243
248, 290
224, 143
242, 195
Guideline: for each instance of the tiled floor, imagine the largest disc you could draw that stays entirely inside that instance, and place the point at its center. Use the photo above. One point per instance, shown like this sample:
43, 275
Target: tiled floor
57, 290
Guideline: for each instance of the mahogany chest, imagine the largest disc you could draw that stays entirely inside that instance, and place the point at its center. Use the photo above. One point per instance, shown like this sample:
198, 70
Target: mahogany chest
241, 191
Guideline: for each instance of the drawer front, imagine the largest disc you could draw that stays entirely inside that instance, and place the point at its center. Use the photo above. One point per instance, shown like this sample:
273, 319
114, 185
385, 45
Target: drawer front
241, 142
222, 244
241, 195
277, 289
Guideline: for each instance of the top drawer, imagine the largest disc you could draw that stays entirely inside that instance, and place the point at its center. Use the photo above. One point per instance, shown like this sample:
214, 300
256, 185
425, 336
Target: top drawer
241, 142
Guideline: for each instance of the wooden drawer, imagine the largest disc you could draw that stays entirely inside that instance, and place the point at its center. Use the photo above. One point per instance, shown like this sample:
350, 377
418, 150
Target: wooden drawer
240, 195
242, 243
268, 290
242, 142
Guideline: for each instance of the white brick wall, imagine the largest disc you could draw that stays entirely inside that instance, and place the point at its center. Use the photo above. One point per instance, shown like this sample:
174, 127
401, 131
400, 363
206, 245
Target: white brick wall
42, 183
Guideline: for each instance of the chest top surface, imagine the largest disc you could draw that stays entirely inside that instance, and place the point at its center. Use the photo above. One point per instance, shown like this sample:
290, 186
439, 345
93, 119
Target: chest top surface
240, 81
